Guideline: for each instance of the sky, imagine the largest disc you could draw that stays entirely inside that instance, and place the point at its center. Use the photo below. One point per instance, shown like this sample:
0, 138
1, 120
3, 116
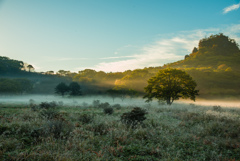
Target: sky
110, 35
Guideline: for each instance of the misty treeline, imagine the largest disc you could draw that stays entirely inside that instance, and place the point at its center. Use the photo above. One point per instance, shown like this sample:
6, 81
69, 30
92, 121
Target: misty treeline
214, 65
15, 86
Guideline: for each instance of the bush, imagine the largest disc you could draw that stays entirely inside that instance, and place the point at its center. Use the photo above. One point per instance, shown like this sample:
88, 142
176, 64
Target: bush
104, 105
34, 107
108, 110
60, 103
96, 103
217, 108
86, 118
100, 129
84, 104
136, 116
31, 102
117, 106
58, 128
49, 113
47, 105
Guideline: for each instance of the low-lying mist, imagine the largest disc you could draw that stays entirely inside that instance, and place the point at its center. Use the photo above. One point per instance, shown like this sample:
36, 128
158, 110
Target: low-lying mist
71, 101
88, 100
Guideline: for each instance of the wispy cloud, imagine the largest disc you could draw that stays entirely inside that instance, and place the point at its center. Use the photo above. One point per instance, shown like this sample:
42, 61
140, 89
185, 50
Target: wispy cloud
164, 50
117, 57
231, 8
54, 59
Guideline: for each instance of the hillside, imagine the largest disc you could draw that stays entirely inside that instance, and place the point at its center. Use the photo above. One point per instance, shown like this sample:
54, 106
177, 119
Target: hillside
214, 65
217, 52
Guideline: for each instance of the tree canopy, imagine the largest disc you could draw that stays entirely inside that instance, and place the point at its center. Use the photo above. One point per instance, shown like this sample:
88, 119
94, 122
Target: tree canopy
169, 85
75, 89
61, 88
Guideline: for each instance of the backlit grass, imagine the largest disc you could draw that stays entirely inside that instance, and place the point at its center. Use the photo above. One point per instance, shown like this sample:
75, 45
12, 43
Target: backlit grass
180, 132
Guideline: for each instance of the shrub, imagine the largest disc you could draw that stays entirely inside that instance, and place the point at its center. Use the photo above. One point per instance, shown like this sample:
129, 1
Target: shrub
47, 105
49, 113
217, 108
96, 103
86, 118
108, 110
100, 129
34, 107
31, 102
60, 103
104, 105
58, 128
117, 106
137, 115
84, 104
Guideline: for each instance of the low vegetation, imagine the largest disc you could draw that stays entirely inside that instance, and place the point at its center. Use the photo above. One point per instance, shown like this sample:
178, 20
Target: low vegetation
178, 132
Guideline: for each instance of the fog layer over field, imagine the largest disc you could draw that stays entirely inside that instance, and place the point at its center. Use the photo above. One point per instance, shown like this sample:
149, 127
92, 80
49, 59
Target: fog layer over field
87, 100
71, 101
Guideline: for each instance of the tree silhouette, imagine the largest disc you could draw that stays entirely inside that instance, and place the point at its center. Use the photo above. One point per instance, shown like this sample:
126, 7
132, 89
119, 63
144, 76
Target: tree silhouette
170, 85
61, 88
30, 67
75, 89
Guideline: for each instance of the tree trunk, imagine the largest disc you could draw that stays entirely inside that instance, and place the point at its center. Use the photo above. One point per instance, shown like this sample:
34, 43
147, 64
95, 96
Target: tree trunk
169, 101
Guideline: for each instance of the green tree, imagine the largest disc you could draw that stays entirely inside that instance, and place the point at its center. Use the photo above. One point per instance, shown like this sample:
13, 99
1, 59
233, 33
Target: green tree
30, 67
112, 93
25, 85
61, 88
169, 85
75, 89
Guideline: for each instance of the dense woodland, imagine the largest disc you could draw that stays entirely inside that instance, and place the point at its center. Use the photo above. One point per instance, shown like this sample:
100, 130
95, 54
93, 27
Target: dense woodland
214, 65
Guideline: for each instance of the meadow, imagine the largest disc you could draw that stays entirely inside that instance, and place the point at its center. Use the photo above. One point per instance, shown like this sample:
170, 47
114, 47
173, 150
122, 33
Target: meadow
95, 130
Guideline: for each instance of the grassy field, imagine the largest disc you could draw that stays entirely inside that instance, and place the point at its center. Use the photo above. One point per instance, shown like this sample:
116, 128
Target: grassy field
177, 132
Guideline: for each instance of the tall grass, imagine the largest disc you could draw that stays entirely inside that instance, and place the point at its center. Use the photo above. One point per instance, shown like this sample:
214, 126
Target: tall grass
177, 132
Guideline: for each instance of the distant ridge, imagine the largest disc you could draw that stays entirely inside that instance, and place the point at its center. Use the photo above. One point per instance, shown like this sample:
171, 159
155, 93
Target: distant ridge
216, 51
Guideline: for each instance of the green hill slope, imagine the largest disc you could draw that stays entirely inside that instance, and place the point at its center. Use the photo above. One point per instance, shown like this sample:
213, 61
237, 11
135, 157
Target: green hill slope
217, 52
215, 65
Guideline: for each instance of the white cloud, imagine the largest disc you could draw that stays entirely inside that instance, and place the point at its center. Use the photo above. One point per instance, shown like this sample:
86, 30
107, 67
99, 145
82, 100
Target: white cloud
54, 59
164, 50
231, 8
117, 57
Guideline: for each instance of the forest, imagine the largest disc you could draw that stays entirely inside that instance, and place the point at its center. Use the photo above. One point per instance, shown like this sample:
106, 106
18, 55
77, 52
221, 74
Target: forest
214, 65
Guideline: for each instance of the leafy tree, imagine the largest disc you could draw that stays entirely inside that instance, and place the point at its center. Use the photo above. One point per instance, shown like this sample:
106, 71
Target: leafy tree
15, 86
25, 85
186, 56
30, 67
9, 86
8, 65
61, 88
49, 72
75, 89
132, 93
112, 93
194, 50
169, 85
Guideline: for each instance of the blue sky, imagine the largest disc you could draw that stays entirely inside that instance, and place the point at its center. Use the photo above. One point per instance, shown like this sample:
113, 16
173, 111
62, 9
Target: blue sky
110, 35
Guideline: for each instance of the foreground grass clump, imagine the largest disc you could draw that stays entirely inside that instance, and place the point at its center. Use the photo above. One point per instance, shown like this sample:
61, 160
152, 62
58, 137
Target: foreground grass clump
179, 132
